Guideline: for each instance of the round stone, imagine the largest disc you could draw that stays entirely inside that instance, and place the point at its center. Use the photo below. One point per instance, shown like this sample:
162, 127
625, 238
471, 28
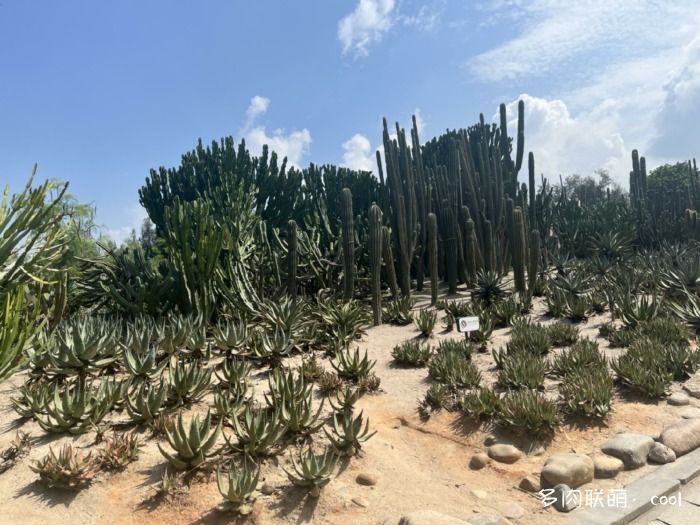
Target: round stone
607, 467
360, 502
366, 479
479, 460
505, 453
530, 483
678, 399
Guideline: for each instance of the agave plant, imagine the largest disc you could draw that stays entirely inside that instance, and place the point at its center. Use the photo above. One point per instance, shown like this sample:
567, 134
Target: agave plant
192, 446
146, 404
588, 392
528, 412
260, 433
238, 486
69, 469
312, 472
583, 355
490, 287
348, 434
399, 311
78, 409
345, 400
286, 387
188, 382
351, 366
343, 320
287, 315
633, 311
229, 404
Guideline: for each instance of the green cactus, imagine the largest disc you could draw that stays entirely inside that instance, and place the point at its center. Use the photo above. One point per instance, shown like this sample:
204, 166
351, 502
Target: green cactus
433, 257
534, 263
375, 255
292, 259
518, 249
449, 238
348, 245
388, 257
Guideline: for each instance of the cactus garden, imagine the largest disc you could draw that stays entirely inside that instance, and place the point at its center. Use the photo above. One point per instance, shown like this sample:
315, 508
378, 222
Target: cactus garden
286, 349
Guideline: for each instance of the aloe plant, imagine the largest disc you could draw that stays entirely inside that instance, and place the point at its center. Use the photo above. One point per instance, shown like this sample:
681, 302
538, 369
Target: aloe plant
259, 433
412, 353
140, 358
83, 346
348, 434
271, 349
231, 338
425, 321
192, 446
237, 486
351, 366
78, 409
147, 403
311, 471
233, 374
68, 469
188, 382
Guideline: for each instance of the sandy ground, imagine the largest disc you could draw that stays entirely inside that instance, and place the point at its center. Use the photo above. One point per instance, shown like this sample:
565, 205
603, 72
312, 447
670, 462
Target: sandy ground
419, 464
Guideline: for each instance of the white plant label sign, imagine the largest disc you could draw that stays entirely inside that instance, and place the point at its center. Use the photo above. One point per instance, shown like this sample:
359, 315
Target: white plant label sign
467, 324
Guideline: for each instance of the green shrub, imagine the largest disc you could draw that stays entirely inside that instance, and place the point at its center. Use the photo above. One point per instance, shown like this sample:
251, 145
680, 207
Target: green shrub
588, 392
480, 404
528, 412
522, 370
531, 338
666, 331
412, 353
582, 355
562, 334
454, 369
426, 321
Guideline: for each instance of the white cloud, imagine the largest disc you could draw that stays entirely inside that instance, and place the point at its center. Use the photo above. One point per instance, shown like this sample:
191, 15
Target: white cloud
426, 19
367, 24
565, 144
293, 145
587, 34
358, 154
133, 216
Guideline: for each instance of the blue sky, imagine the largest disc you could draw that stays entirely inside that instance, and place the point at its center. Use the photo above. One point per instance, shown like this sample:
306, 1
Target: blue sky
98, 93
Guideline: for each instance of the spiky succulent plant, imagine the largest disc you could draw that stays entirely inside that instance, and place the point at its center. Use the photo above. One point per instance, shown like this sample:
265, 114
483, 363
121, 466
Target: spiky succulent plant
259, 433
237, 486
76, 410
82, 347
425, 321
412, 353
231, 338
140, 358
68, 469
192, 446
145, 404
188, 382
351, 366
348, 434
312, 471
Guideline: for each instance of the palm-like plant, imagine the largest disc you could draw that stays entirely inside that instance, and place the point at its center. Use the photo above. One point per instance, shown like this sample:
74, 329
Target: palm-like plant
490, 287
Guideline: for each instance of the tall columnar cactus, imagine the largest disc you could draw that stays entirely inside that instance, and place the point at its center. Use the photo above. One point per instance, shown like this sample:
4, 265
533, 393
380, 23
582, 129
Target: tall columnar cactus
470, 248
531, 188
292, 258
450, 240
433, 256
348, 245
534, 262
518, 250
388, 257
489, 250
375, 261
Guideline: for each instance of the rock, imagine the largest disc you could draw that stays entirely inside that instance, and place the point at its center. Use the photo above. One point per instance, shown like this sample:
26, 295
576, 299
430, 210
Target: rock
366, 479
682, 437
430, 517
607, 467
267, 489
505, 453
632, 449
573, 470
479, 460
565, 498
690, 413
678, 399
692, 386
491, 519
490, 440
481, 494
512, 511
360, 502
660, 453
530, 483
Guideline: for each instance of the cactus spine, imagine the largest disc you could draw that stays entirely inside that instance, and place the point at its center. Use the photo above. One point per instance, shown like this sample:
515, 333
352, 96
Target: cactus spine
375, 261
348, 245
433, 257
292, 258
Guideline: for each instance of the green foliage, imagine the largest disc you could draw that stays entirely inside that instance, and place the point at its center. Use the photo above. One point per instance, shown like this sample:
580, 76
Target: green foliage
483, 403
530, 338
311, 471
562, 334
588, 392
237, 486
399, 311
521, 370
583, 355
259, 433
119, 451
426, 321
490, 288
348, 434
435, 397
188, 382
192, 446
528, 412
412, 353
454, 369
77, 409
350, 365
144, 405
